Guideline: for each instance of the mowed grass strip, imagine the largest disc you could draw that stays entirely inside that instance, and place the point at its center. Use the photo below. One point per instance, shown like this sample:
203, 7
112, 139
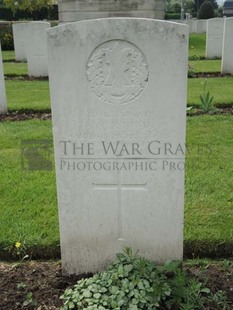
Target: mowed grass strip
15, 68
29, 95
8, 55
205, 66
28, 206
209, 179
34, 95
197, 45
220, 88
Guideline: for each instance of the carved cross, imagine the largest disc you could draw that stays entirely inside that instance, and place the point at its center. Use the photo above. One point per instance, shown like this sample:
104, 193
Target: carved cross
119, 187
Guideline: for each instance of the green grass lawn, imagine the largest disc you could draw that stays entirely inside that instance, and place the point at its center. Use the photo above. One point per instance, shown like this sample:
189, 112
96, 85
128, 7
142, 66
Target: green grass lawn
220, 88
32, 95
205, 66
28, 205
197, 45
209, 179
15, 68
8, 55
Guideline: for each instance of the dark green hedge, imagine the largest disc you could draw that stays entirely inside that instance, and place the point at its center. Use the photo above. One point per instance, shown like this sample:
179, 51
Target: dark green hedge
6, 36
43, 13
172, 16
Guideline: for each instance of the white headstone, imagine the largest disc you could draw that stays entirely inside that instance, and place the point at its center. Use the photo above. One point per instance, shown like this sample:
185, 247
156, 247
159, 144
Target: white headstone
20, 36
201, 26
37, 57
214, 37
118, 91
3, 102
227, 54
192, 25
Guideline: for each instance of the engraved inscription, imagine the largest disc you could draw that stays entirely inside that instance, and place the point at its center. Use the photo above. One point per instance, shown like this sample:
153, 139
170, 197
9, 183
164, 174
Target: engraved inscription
117, 71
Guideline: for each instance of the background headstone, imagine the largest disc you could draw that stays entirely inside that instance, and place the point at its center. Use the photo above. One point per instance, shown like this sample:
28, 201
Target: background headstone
192, 23
37, 57
201, 26
227, 53
76, 10
20, 36
214, 37
118, 92
3, 102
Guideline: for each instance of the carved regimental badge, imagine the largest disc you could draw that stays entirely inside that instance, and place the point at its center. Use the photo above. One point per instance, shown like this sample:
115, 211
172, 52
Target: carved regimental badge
117, 71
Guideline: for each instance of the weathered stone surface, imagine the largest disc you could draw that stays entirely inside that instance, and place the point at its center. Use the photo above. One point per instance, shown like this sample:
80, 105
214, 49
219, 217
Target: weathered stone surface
227, 54
3, 102
37, 48
195, 25
118, 92
201, 26
192, 23
20, 36
214, 37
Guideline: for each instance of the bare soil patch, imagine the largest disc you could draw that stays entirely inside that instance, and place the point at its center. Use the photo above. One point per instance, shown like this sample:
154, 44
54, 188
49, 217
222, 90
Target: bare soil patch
17, 116
38, 285
209, 75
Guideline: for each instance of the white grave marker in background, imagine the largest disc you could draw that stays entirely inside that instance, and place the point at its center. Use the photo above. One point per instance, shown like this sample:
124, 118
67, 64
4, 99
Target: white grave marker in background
118, 91
37, 57
201, 26
227, 52
192, 23
20, 37
3, 102
214, 37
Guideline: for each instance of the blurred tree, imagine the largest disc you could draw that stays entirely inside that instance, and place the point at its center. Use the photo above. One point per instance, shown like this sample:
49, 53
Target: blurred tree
27, 5
174, 6
190, 6
206, 10
198, 3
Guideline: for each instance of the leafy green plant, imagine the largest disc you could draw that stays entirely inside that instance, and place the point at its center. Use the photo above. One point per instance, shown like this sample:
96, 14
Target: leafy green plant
29, 300
194, 57
220, 300
135, 283
206, 103
190, 71
227, 263
18, 250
